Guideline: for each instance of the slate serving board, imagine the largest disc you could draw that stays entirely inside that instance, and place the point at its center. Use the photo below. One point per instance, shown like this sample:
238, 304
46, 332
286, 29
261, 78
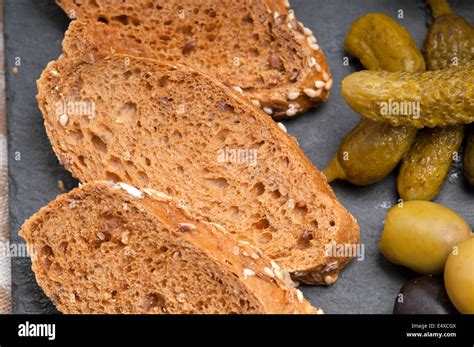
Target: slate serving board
34, 30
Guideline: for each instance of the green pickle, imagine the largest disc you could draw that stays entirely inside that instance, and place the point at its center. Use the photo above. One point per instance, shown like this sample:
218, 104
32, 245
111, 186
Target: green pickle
369, 152
450, 42
372, 149
380, 43
469, 158
425, 167
439, 7
427, 99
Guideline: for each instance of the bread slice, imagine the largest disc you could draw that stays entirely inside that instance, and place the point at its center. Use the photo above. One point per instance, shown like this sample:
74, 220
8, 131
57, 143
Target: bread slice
257, 47
112, 248
176, 130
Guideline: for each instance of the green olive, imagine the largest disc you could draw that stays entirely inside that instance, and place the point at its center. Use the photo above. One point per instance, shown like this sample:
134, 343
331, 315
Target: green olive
420, 235
459, 276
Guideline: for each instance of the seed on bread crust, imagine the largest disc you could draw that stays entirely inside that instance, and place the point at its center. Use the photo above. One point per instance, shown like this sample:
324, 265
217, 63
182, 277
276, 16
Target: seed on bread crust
269, 272
291, 111
311, 39
318, 67
325, 76
248, 273
315, 47
291, 15
328, 279
63, 119
137, 193
268, 110
299, 296
312, 93
308, 32
294, 75
238, 89
319, 84
328, 85
282, 127
256, 102
293, 95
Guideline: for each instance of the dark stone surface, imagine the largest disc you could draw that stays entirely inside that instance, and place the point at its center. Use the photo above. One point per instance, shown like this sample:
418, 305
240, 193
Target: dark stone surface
33, 32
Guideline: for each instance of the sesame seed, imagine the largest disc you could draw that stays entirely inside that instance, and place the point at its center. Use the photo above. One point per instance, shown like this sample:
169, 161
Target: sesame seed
287, 4
312, 93
291, 111
290, 26
245, 254
319, 311
299, 296
293, 95
256, 103
63, 119
54, 72
308, 31
325, 76
276, 15
315, 47
254, 256
311, 40
248, 273
318, 67
275, 266
282, 127
328, 279
328, 85
319, 84
268, 110
236, 250
268, 272
238, 90
243, 242
312, 62
130, 189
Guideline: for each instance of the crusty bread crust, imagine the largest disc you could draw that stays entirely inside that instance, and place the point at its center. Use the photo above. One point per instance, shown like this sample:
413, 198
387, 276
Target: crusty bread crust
283, 204
258, 285
257, 48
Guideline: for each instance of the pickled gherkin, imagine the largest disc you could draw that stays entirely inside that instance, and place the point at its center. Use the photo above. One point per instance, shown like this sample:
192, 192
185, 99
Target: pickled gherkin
427, 164
428, 99
450, 42
380, 43
369, 152
469, 158
439, 7
372, 149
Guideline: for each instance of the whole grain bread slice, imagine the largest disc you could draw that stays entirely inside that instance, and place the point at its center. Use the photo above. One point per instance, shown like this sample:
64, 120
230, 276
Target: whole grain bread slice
257, 47
112, 248
179, 131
